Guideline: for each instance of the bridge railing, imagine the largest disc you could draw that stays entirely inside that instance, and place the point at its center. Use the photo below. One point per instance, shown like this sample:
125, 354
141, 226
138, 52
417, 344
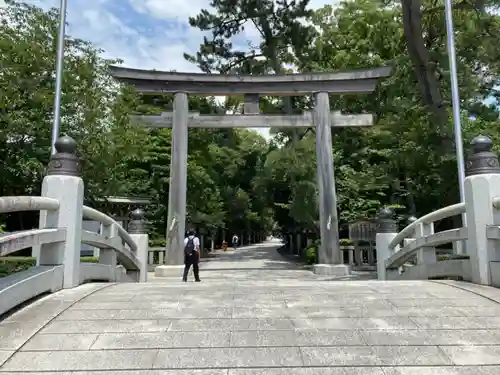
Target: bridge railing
411, 253
56, 244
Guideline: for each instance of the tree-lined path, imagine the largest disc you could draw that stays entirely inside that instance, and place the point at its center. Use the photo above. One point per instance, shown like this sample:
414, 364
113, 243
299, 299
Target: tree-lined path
255, 314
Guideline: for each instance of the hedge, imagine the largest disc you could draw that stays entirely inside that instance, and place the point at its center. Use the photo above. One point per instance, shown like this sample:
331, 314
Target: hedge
441, 258
10, 265
311, 256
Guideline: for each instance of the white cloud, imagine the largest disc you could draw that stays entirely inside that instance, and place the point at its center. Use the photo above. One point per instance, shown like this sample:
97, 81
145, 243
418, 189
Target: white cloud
173, 9
147, 34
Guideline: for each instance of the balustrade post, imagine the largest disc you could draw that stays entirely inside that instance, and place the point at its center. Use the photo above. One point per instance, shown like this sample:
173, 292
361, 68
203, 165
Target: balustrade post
309, 242
386, 231
358, 254
299, 242
427, 254
410, 221
351, 256
213, 233
108, 256
137, 229
371, 254
64, 183
482, 184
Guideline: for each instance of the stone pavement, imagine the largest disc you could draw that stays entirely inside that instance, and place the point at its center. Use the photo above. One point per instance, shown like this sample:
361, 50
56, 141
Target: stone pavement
256, 314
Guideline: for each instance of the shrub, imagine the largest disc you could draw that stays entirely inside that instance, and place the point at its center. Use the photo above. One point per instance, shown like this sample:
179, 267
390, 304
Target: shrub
311, 255
346, 242
10, 265
441, 258
158, 242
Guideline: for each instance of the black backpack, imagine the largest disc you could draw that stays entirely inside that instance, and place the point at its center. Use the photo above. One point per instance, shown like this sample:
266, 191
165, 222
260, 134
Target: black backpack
189, 248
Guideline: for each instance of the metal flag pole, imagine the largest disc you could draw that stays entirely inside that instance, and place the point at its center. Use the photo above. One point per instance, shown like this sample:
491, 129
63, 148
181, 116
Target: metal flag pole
56, 124
455, 98
457, 126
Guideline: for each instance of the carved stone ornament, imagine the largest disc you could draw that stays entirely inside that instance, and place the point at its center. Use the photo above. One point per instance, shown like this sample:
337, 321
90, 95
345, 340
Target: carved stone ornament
137, 224
411, 220
482, 160
64, 162
386, 222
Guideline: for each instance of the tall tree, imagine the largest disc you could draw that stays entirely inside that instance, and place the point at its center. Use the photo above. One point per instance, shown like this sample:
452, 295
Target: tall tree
423, 22
281, 29
93, 108
277, 22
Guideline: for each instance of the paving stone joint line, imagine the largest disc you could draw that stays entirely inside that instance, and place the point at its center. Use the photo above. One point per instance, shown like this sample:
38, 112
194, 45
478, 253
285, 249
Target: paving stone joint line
262, 321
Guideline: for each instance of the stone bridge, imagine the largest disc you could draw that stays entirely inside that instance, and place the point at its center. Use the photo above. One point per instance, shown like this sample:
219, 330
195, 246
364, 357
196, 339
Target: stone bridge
255, 313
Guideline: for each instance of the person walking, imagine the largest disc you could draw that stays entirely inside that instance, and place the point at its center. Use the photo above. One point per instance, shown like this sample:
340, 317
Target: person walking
191, 256
235, 241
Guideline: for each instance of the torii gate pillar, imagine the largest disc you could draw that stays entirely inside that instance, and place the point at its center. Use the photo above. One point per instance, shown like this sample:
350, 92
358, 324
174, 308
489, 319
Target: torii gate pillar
178, 181
329, 252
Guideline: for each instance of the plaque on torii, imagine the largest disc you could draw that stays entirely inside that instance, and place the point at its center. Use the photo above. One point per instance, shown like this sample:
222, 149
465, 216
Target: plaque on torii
251, 87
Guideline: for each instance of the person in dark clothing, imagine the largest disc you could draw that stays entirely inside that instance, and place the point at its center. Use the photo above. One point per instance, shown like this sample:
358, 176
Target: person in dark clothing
235, 241
191, 255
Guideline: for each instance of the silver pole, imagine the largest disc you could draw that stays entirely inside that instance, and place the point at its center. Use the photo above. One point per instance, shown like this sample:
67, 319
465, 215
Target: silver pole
455, 98
56, 124
461, 245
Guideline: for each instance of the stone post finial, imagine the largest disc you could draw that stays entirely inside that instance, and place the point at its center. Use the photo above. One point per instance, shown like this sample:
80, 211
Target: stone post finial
64, 162
386, 222
138, 223
482, 160
411, 219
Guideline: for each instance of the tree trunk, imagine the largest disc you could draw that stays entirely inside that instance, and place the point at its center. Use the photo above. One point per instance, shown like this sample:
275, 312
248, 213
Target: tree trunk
425, 68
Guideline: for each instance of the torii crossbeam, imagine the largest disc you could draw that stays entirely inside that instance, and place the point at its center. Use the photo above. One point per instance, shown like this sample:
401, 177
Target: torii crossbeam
320, 84
195, 120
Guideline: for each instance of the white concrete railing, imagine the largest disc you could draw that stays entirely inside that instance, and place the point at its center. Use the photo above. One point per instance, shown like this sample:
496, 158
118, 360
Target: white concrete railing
57, 243
481, 232
115, 245
418, 242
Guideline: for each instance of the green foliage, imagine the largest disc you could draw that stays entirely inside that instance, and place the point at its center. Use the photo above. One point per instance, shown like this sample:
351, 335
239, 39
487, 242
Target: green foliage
406, 160
89, 260
346, 242
119, 157
278, 22
236, 180
441, 258
311, 255
10, 265
13, 264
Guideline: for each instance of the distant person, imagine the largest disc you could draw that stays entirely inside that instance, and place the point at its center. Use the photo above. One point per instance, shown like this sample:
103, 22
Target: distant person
235, 241
191, 255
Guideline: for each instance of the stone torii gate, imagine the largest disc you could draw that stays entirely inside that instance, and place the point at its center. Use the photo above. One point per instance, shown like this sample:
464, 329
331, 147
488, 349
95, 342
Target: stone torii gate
252, 87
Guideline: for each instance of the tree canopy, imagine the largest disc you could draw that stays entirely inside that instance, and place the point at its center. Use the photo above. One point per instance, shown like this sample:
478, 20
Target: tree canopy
120, 158
408, 158
237, 180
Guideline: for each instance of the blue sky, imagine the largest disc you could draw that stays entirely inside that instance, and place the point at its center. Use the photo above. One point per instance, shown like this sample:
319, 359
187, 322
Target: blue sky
146, 34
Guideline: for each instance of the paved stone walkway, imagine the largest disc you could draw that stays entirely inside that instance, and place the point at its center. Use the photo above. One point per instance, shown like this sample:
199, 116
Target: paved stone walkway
256, 314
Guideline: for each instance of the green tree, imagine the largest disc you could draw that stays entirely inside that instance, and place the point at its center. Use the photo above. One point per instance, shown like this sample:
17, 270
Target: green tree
94, 111
406, 145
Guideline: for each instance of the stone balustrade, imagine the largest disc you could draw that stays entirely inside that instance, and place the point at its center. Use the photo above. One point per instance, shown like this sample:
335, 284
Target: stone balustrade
57, 243
411, 253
